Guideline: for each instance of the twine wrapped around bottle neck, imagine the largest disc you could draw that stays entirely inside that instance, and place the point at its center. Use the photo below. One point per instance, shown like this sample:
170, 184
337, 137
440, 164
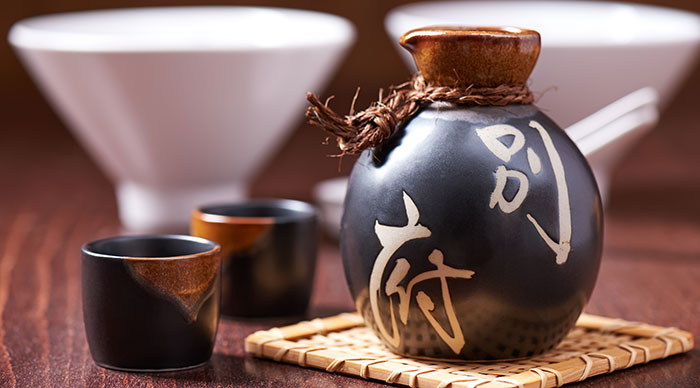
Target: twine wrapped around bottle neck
371, 127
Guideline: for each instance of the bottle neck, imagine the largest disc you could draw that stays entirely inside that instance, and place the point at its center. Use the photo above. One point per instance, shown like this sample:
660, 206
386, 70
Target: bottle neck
473, 56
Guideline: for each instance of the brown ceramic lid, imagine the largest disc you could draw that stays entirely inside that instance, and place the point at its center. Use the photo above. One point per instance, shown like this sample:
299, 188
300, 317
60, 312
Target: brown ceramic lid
480, 56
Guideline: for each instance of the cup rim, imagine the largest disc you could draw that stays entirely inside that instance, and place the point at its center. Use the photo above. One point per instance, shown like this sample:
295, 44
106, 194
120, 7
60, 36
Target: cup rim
686, 24
49, 32
213, 247
300, 211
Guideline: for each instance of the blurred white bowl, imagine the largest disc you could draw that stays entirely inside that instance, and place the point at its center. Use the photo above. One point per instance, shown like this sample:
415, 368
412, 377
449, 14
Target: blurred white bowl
592, 52
329, 195
180, 105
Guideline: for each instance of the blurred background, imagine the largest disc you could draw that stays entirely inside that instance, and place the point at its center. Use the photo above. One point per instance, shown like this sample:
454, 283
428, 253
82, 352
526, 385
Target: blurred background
659, 178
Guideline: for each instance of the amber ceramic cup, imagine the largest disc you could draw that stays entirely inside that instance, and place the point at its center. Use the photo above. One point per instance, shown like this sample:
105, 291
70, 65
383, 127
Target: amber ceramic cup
268, 250
151, 303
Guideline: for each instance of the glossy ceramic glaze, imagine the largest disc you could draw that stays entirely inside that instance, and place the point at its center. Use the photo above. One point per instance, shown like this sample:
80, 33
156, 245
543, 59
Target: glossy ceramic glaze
473, 233
151, 303
484, 56
268, 254
581, 69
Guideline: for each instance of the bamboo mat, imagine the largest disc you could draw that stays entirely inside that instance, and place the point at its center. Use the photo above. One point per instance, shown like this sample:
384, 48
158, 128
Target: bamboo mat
343, 344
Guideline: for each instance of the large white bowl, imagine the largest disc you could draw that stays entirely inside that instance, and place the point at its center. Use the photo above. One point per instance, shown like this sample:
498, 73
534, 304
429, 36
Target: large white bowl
592, 52
180, 106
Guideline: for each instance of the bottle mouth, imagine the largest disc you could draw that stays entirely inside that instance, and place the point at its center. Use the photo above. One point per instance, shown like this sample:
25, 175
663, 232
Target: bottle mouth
479, 56
464, 32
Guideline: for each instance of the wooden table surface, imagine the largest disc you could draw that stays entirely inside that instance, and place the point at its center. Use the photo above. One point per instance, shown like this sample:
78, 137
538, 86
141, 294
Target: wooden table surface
54, 199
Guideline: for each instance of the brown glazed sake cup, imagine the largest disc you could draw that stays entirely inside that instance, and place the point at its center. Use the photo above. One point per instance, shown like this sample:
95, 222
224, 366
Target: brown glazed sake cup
151, 303
268, 251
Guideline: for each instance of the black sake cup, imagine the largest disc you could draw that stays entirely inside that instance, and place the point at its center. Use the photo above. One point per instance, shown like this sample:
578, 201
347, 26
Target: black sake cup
151, 303
268, 254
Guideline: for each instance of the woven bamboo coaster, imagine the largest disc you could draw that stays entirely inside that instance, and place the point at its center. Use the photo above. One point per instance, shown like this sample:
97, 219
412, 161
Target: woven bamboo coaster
343, 344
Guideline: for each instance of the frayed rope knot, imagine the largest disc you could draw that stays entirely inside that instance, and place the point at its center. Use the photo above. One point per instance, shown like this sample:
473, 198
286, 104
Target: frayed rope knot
371, 127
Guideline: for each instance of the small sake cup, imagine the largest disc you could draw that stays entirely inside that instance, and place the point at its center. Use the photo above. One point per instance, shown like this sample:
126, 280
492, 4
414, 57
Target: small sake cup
268, 251
151, 303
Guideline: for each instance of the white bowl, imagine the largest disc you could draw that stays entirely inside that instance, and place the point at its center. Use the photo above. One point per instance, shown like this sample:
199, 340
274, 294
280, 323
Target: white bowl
592, 52
180, 105
329, 195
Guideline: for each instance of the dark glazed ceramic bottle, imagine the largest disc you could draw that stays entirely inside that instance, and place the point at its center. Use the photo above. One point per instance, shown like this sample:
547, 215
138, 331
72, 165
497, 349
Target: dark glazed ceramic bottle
474, 232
